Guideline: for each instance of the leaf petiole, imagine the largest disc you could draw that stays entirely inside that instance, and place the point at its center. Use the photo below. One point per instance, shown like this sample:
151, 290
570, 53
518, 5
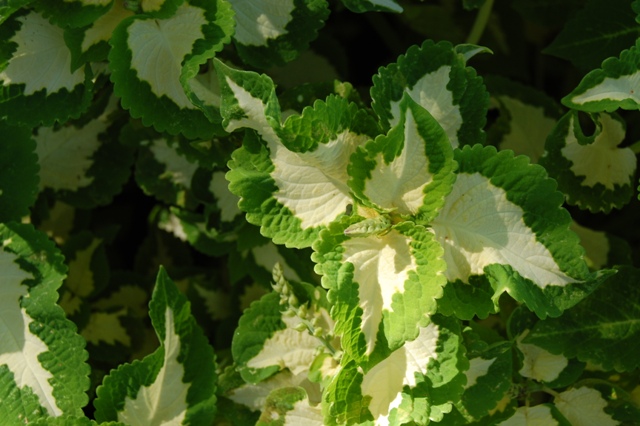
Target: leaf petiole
480, 23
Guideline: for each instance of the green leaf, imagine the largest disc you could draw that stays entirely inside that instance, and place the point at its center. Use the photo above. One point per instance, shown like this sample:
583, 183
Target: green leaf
266, 341
8, 7
154, 62
468, 51
436, 77
271, 34
584, 405
410, 170
489, 378
84, 165
360, 6
74, 13
536, 363
292, 180
107, 328
166, 171
383, 287
88, 271
289, 407
466, 300
543, 414
504, 218
175, 383
414, 383
72, 421
610, 87
527, 117
29, 94
19, 178
602, 249
343, 397
91, 43
592, 171
596, 32
196, 230
160, 9
42, 358
248, 100
609, 339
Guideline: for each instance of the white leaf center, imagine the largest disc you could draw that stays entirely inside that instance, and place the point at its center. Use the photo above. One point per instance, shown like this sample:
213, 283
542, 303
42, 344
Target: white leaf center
257, 22
42, 59
165, 400
478, 226
400, 184
432, 94
381, 267
19, 348
159, 47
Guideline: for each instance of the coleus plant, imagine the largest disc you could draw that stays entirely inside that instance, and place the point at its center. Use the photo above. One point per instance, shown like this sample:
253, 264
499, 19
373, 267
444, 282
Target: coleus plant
442, 245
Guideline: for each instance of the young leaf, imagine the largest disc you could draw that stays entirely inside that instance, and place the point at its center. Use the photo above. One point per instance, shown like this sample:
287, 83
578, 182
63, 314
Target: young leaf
42, 359
436, 77
610, 87
383, 286
503, 218
290, 407
254, 396
176, 383
609, 339
152, 61
293, 180
29, 93
410, 170
596, 32
414, 383
591, 171
273, 33
267, 341
19, 178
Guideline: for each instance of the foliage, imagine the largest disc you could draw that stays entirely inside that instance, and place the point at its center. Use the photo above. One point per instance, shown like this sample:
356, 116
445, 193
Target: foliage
373, 212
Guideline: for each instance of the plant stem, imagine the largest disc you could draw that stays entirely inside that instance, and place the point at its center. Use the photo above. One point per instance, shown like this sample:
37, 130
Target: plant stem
481, 22
550, 391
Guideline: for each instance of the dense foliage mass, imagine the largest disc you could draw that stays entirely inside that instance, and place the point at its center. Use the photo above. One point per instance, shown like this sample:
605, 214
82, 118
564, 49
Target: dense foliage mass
319, 212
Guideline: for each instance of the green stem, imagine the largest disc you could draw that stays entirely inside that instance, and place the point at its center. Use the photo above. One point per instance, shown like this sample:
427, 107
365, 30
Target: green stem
635, 147
550, 391
481, 22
